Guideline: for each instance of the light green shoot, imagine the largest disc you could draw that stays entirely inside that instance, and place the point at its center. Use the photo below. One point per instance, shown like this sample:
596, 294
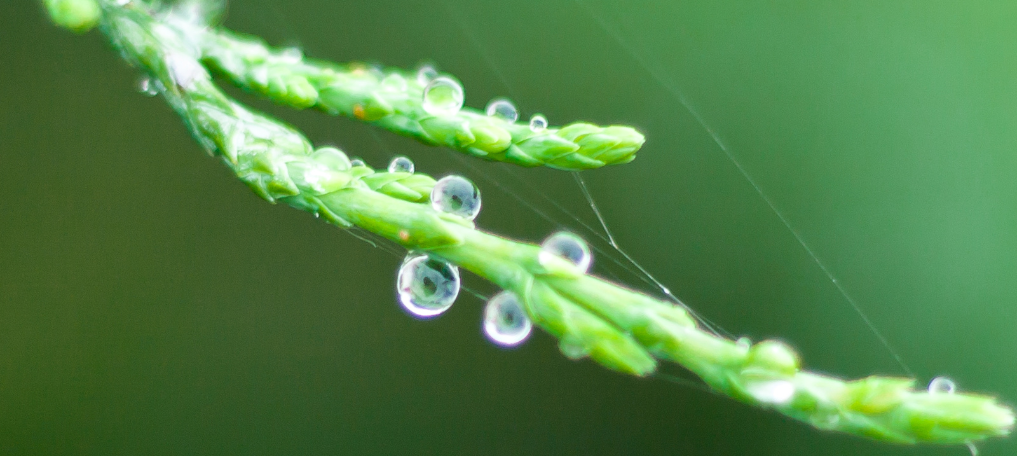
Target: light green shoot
619, 328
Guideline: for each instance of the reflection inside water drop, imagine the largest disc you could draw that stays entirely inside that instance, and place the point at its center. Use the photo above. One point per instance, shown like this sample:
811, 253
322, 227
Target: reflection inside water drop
505, 321
456, 195
568, 246
443, 96
427, 286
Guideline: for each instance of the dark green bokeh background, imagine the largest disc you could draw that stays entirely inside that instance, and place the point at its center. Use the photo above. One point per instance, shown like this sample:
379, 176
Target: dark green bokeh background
151, 304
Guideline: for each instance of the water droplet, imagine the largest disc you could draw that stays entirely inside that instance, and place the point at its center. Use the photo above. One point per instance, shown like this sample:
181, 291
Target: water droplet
184, 69
400, 164
505, 321
501, 108
357, 162
443, 97
568, 246
394, 82
771, 391
425, 74
456, 195
538, 123
427, 287
744, 343
291, 55
148, 86
573, 347
942, 385
972, 448
333, 158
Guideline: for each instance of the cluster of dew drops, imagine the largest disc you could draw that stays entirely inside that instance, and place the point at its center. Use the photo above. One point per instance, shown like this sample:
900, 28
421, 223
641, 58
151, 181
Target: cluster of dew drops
444, 96
428, 286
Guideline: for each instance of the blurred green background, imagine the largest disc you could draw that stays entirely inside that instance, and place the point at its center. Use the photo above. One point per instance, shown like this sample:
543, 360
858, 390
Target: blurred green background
151, 304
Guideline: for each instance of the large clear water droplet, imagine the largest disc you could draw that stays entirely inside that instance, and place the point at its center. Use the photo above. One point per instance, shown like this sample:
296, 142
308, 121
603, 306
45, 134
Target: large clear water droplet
148, 87
503, 109
400, 164
425, 73
538, 123
505, 321
942, 385
456, 195
568, 246
443, 97
427, 286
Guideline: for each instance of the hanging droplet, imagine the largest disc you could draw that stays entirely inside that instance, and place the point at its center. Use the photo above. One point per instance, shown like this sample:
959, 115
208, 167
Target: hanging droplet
443, 97
425, 74
568, 246
538, 123
400, 164
427, 287
501, 108
148, 87
771, 391
456, 195
505, 321
942, 385
357, 162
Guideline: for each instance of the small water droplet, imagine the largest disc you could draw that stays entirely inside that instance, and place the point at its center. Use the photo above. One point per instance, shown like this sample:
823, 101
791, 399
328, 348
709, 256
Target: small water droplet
184, 69
744, 343
538, 123
357, 162
942, 385
573, 347
425, 73
394, 82
443, 97
972, 448
291, 55
501, 108
568, 246
333, 158
505, 321
400, 164
427, 286
148, 86
456, 195
771, 391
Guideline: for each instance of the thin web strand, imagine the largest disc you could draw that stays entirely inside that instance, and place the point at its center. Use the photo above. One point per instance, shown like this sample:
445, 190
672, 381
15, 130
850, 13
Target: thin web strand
678, 95
711, 326
642, 273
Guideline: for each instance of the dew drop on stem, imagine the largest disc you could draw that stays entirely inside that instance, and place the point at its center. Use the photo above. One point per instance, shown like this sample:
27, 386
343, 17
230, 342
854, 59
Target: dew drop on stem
427, 287
538, 123
443, 96
456, 195
400, 164
501, 108
505, 321
569, 247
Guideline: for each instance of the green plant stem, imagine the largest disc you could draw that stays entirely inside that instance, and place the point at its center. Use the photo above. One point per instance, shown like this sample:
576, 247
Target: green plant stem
617, 327
393, 99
